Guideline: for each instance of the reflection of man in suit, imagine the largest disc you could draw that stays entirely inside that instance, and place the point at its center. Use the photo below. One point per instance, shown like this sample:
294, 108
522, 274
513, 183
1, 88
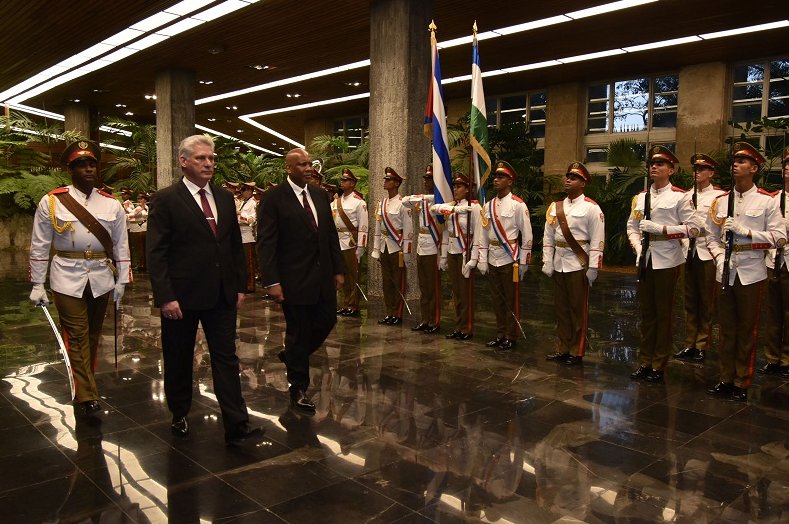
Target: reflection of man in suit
198, 274
301, 264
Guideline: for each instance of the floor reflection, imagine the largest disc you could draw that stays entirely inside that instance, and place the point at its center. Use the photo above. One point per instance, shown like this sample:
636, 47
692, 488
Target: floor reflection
409, 427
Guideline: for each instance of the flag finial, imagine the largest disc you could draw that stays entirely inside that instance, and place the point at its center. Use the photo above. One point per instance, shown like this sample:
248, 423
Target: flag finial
432, 26
474, 27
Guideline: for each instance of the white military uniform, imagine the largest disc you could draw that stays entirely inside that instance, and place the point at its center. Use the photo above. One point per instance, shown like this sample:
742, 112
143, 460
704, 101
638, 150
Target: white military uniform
704, 199
399, 218
138, 219
585, 221
512, 215
69, 276
356, 210
453, 238
247, 218
429, 237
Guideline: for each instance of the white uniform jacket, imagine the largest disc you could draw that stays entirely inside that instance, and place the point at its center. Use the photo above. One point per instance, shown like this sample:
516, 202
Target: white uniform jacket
757, 210
69, 276
503, 220
394, 227
704, 199
784, 262
138, 219
454, 238
670, 208
429, 231
247, 219
356, 209
585, 221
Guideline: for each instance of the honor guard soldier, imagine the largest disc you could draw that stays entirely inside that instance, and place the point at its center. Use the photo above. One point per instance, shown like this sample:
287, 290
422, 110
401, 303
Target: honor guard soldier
699, 267
427, 245
87, 229
350, 218
392, 245
756, 226
137, 222
459, 244
247, 222
669, 222
573, 245
316, 179
776, 344
505, 220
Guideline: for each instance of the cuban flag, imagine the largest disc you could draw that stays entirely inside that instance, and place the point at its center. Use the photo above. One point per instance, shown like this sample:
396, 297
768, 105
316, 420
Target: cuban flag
478, 124
436, 127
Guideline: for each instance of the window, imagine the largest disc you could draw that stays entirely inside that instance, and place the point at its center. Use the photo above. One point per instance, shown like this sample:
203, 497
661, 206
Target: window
515, 108
632, 106
354, 129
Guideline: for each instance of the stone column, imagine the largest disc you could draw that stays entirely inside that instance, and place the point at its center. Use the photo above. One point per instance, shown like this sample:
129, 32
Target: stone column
77, 119
564, 127
399, 77
702, 110
316, 127
175, 120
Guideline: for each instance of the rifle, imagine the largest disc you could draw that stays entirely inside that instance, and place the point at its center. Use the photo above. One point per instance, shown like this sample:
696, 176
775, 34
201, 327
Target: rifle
642, 263
729, 234
779, 252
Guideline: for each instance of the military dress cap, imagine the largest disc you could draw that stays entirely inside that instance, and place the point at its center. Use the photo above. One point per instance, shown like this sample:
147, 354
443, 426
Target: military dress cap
662, 154
504, 168
107, 189
701, 160
234, 185
391, 174
461, 179
347, 174
80, 149
746, 150
428, 171
248, 185
578, 169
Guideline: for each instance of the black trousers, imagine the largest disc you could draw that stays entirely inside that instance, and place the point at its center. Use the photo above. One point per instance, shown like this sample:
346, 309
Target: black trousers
178, 343
306, 328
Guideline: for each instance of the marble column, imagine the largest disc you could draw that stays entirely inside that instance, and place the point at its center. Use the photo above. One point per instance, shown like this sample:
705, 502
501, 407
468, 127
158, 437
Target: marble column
77, 119
175, 120
564, 127
399, 77
702, 110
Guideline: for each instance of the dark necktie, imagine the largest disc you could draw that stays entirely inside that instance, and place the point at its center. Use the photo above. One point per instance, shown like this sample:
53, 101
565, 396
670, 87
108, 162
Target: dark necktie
308, 209
209, 215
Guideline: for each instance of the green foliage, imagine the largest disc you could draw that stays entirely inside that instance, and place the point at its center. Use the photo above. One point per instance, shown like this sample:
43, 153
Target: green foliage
335, 151
777, 132
332, 176
623, 154
235, 165
135, 164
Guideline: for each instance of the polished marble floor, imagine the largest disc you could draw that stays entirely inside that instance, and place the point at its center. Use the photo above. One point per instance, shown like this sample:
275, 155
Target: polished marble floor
409, 427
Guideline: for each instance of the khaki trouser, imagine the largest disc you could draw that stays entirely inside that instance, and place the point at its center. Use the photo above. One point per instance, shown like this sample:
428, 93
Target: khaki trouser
429, 289
656, 300
776, 326
349, 290
251, 259
700, 288
505, 292
738, 314
81, 320
571, 300
393, 277
462, 293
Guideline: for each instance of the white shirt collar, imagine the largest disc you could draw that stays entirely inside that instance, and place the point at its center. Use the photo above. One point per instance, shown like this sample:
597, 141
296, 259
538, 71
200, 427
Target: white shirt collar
194, 188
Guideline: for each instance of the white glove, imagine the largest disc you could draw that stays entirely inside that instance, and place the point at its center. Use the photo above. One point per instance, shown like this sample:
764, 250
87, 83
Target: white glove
117, 293
483, 267
719, 269
736, 227
468, 267
648, 226
359, 254
443, 264
591, 275
522, 268
406, 257
376, 254
638, 254
462, 209
39, 295
547, 269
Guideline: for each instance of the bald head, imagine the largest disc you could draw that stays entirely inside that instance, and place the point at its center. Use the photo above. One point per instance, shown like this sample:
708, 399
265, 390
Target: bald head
298, 166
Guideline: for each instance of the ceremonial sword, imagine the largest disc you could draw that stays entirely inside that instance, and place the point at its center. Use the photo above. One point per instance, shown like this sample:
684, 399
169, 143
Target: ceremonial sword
63, 351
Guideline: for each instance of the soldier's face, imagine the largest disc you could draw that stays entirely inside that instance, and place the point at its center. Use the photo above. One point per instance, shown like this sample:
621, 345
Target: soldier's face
83, 172
428, 185
459, 191
744, 167
198, 167
573, 184
703, 175
501, 182
660, 171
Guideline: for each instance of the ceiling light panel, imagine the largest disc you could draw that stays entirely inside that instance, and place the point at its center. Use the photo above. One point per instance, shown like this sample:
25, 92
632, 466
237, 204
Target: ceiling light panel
154, 22
188, 6
221, 10
608, 8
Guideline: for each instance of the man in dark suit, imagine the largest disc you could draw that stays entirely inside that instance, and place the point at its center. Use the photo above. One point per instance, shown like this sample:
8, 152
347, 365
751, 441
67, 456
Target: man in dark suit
198, 275
301, 267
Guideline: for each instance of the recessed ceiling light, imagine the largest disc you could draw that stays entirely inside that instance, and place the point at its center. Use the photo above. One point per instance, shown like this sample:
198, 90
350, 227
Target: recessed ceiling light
99, 91
212, 119
353, 84
234, 108
293, 95
74, 100
207, 82
239, 130
150, 97
120, 105
128, 113
258, 67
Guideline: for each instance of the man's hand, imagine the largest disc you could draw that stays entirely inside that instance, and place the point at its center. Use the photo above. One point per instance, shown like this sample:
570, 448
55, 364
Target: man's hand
638, 254
468, 267
483, 266
339, 280
359, 254
172, 310
591, 275
276, 293
375, 254
736, 227
547, 269
648, 226
38, 296
117, 293
461, 209
443, 264
239, 299
522, 268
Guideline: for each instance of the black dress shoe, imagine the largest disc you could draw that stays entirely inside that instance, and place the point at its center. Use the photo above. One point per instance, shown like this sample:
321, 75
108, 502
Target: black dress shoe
686, 354
341, 311
90, 407
180, 427
700, 356
421, 326
300, 402
245, 435
351, 313
721, 389
385, 320
281, 357
496, 342
739, 394
465, 336
640, 374
429, 330
771, 368
395, 321
507, 345
573, 360
454, 334
655, 375
557, 357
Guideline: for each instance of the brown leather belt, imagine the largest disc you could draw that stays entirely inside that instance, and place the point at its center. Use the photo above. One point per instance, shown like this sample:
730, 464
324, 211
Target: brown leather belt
562, 243
85, 255
743, 247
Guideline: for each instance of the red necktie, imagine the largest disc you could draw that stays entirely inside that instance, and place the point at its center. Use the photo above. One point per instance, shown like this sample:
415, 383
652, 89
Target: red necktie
308, 209
209, 215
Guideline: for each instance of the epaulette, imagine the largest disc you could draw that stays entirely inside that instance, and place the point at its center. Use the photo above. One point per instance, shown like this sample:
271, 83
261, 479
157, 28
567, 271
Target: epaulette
358, 195
723, 195
102, 193
716, 187
587, 199
475, 201
516, 198
678, 189
58, 191
763, 191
